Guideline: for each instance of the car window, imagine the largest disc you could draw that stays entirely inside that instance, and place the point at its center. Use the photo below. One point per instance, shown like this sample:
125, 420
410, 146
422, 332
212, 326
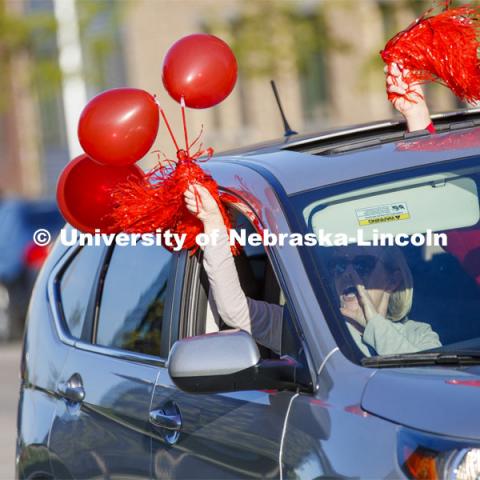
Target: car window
257, 279
404, 275
133, 299
76, 287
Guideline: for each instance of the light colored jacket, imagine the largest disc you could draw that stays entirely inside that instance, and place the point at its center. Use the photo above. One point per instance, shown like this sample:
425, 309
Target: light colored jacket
264, 320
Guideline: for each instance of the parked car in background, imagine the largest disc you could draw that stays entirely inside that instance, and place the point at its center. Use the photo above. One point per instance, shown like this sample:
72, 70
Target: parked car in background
21, 258
121, 377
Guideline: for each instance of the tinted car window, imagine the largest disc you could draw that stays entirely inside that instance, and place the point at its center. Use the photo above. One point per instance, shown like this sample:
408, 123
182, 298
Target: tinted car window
413, 243
76, 285
133, 299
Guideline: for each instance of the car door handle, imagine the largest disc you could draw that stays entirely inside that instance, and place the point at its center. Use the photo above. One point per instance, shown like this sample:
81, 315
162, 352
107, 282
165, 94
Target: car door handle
72, 390
163, 420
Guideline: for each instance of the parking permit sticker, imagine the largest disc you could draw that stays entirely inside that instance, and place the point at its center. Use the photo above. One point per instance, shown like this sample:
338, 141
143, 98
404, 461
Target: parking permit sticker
382, 213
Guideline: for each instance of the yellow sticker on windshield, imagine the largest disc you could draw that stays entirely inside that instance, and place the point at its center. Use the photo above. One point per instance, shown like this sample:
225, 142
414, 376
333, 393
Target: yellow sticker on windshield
392, 212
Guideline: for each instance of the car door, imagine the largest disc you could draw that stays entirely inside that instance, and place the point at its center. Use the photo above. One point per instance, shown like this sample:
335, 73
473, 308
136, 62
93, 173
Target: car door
223, 435
102, 428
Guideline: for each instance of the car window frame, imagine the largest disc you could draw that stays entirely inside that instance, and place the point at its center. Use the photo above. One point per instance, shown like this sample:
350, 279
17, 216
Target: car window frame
174, 289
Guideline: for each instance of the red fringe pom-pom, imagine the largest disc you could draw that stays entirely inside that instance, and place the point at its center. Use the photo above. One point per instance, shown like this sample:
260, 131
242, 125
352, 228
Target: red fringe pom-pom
156, 203
441, 48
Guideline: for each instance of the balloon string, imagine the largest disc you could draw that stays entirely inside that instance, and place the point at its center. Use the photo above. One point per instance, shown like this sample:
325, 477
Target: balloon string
169, 129
166, 123
187, 147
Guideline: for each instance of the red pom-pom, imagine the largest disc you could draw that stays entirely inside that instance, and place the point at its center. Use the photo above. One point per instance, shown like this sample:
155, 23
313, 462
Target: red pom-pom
156, 201
441, 48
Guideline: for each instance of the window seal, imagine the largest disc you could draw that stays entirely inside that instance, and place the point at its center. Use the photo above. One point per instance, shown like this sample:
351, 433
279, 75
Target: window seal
177, 300
98, 294
120, 354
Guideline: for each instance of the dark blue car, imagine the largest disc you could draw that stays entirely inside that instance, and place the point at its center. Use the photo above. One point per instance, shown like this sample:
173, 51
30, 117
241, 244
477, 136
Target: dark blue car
128, 372
21, 258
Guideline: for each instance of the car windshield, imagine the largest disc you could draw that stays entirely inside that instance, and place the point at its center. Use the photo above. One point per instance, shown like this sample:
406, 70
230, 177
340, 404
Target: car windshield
396, 262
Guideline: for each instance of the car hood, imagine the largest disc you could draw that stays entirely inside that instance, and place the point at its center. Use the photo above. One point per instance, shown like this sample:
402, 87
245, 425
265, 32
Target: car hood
435, 399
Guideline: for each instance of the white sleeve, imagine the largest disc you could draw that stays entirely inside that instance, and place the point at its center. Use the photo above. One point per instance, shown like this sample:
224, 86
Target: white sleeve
261, 319
388, 337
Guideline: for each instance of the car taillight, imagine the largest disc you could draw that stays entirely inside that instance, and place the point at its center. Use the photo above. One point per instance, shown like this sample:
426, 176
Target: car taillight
35, 255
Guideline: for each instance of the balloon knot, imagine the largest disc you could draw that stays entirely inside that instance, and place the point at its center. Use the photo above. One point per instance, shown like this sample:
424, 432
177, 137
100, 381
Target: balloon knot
182, 155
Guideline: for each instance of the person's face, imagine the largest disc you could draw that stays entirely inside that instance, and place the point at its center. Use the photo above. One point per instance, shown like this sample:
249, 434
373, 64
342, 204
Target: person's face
355, 265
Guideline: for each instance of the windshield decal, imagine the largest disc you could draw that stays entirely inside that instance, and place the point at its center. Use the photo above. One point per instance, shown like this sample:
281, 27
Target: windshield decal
382, 213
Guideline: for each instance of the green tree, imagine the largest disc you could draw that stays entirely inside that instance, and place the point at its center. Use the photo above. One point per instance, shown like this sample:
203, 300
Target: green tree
22, 36
263, 33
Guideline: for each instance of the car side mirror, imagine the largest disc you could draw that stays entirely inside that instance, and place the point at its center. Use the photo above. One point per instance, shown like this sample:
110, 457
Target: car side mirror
225, 362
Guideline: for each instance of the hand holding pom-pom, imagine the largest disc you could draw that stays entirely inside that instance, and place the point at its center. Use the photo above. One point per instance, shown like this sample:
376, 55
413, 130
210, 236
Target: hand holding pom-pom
200, 202
407, 97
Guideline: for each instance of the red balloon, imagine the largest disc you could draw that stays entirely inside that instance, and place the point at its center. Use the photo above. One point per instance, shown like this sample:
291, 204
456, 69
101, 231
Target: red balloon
118, 127
200, 68
83, 192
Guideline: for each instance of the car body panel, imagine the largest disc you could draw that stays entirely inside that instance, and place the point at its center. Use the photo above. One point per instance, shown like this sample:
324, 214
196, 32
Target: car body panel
451, 390
39, 379
107, 433
225, 435
36, 411
325, 441
329, 434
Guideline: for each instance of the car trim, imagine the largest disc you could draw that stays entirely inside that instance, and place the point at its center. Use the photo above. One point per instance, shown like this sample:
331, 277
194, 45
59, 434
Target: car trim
339, 134
177, 301
53, 295
121, 354
98, 295
325, 360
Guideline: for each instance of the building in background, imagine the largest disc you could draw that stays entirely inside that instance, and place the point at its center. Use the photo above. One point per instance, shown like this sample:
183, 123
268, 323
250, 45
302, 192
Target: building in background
323, 55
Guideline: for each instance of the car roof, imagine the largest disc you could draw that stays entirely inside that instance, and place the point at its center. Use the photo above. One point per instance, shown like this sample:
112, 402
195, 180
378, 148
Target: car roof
348, 154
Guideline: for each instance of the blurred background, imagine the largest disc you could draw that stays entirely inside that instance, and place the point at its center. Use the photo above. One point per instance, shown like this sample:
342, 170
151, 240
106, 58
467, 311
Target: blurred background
55, 55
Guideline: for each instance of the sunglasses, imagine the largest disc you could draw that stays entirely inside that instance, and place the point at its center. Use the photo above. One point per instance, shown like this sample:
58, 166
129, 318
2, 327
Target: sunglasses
362, 264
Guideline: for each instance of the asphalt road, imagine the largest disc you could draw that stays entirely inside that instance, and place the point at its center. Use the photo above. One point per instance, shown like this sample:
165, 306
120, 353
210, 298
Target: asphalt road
9, 384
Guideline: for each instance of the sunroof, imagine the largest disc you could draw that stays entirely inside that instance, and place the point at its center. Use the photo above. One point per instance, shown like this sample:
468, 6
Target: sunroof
375, 135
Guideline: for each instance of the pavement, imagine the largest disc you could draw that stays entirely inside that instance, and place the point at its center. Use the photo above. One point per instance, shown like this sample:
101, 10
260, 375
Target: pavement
9, 385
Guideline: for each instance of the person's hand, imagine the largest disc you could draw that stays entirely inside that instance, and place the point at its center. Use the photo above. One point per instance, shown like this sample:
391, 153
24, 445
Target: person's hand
200, 203
408, 99
365, 310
